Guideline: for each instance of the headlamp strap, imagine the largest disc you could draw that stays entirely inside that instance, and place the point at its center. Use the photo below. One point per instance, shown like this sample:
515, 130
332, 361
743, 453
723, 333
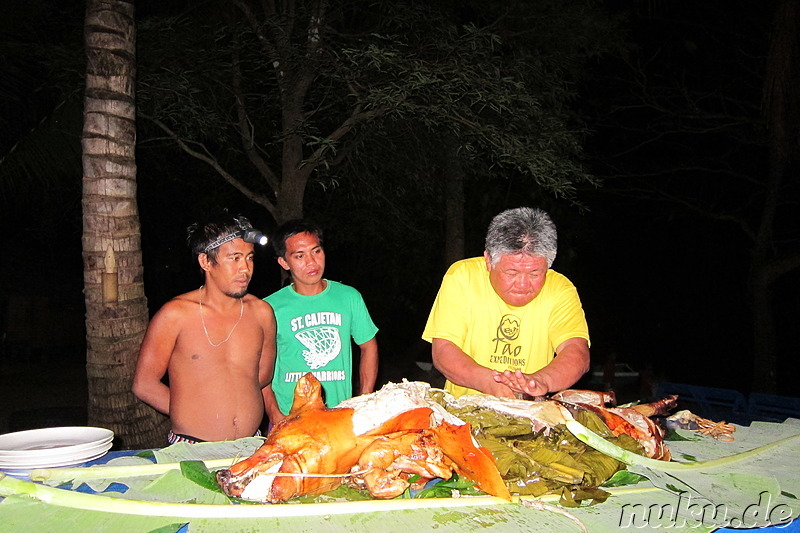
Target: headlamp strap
222, 240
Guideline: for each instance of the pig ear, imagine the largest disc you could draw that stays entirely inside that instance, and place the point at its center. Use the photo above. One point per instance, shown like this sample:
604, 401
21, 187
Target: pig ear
307, 394
475, 464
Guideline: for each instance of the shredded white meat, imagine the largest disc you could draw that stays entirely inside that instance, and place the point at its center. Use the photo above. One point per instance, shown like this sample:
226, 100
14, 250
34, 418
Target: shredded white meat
372, 410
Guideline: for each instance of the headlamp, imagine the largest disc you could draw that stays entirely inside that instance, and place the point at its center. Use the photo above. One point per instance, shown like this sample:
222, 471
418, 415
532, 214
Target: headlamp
253, 236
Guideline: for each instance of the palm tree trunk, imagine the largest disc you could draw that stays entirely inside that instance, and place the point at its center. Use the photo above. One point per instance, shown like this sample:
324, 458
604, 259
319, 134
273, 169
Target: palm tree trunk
116, 307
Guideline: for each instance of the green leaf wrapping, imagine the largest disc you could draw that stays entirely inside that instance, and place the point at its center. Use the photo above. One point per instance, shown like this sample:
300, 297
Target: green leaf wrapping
535, 463
197, 472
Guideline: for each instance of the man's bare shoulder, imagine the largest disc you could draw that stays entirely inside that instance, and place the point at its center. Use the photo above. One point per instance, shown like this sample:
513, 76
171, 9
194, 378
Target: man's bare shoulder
179, 306
256, 301
258, 305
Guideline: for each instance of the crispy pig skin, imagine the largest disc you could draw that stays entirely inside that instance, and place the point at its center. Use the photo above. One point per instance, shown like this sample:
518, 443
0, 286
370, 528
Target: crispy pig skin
312, 439
389, 461
633, 421
316, 440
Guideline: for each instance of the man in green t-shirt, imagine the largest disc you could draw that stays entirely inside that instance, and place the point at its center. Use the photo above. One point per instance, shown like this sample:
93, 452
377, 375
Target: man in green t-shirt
505, 324
316, 319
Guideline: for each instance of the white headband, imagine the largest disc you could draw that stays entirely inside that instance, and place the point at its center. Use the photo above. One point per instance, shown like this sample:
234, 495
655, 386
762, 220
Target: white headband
222, 240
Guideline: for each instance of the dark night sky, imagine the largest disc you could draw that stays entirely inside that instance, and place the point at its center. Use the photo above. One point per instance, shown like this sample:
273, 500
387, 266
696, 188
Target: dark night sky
660, 285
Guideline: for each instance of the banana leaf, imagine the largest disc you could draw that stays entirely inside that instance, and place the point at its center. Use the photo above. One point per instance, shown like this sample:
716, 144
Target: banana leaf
766, 458
632, 508
754, 483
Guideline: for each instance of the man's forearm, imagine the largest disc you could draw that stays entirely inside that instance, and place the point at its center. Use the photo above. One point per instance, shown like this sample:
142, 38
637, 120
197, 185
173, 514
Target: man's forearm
156, 396
570, 364
368, 367
271, 405
460, 369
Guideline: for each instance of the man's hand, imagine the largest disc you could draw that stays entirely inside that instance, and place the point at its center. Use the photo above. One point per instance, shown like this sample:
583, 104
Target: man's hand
461, 369
570, 363
274, 418
271, 406
496, 388
521, 383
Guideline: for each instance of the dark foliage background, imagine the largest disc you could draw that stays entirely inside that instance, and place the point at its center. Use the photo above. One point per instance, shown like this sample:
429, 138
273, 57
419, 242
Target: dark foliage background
674, 128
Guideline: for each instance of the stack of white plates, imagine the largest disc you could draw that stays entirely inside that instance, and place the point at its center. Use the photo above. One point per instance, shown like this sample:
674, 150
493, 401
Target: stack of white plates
50, 447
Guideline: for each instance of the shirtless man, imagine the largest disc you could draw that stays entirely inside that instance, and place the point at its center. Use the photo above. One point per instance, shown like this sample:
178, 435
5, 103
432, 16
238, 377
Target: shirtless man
216, 343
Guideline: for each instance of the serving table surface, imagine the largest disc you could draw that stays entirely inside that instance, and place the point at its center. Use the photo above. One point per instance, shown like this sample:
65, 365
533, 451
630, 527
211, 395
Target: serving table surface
643, 507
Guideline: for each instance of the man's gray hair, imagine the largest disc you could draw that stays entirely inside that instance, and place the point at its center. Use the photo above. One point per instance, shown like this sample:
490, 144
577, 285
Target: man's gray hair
523, 230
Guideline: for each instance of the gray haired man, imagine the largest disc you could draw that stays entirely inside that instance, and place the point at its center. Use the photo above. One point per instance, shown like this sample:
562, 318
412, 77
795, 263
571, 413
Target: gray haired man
505, 323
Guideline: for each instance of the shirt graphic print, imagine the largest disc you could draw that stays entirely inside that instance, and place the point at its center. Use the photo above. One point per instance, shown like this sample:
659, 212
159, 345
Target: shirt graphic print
507, 350
321, 339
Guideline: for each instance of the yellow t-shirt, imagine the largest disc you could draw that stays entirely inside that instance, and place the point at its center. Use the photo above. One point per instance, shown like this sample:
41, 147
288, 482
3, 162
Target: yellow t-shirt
469, 313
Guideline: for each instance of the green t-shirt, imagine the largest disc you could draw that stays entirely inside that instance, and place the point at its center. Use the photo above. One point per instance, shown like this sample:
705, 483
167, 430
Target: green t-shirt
314, 335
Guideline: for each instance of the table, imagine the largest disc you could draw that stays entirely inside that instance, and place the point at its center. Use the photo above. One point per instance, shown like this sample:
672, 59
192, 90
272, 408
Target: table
627, 509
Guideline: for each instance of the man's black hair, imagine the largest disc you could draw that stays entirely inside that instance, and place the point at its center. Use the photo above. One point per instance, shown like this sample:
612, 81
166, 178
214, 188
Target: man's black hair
290, 229
202, 236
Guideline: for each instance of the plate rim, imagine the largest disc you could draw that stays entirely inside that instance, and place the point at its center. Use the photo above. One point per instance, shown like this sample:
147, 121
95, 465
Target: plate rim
64, 453
95, 435
96, 454
57, 450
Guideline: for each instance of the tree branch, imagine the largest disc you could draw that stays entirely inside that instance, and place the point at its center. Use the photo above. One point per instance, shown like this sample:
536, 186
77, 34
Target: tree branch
780, 266
356, 117
213, 163
246, 130
266, 44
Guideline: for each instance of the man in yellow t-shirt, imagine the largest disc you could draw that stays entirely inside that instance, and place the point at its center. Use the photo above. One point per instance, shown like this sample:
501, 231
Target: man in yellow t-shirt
505, 324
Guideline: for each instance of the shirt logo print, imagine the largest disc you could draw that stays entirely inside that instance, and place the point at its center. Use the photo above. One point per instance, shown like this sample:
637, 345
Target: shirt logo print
323, 345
